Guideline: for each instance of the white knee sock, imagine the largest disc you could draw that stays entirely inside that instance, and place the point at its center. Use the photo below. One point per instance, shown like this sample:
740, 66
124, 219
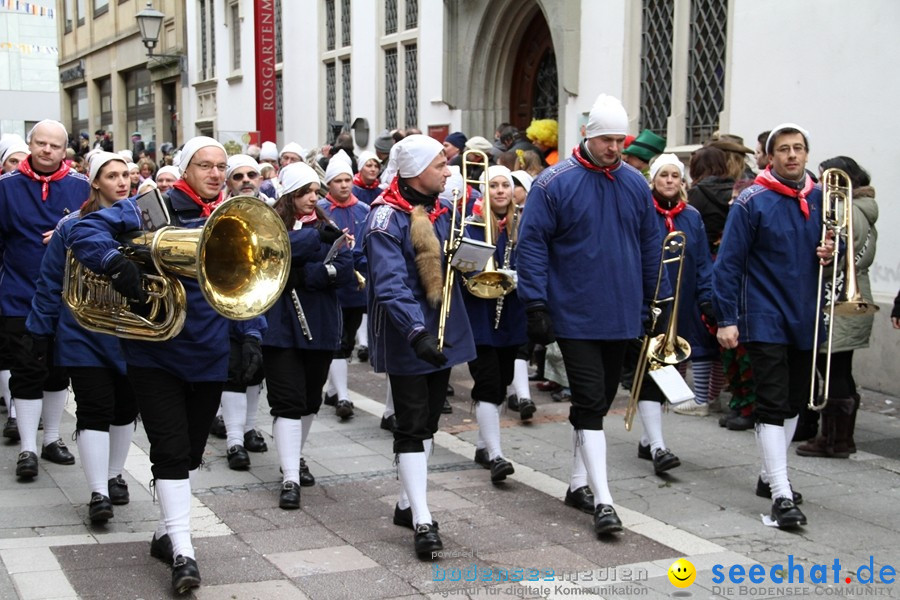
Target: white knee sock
428, 445
651, 417
11, 405
4, 387
93, 449
175, 503
252, 408
362, 334
119, 444
701, 370
413, 468
337, 374
288, 434
593, 453
773, 451
29, 417
388, 401
579, 472
520, 378
790, 428
306, 423
234, 411
54, 405
488, 416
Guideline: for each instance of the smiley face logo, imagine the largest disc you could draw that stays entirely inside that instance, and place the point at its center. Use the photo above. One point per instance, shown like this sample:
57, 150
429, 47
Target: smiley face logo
682, 573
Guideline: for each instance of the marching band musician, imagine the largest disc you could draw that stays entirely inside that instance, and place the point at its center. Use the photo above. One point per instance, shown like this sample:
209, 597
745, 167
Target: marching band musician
349, 214
177, 383
589, 224
403, 242
765, 283
496, 347
32, 201
366, 185
666, 184
105, 407
304, 325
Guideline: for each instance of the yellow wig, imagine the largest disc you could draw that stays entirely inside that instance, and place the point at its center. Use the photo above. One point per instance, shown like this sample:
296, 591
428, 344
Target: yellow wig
543, 131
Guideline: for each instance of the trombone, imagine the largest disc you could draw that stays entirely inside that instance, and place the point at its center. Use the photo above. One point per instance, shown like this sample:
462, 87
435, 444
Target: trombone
667, 348
837, 216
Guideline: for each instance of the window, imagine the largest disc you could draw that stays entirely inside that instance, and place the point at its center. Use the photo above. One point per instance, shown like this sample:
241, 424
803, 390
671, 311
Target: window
706, 68
235, 10
100, 7
81, 12
345, 85
390, 88
412, 95
207, 39
336, 60
139, 105
279, 53
656, 65
345, 22
412, 14
401, 65
69, 13
330, 93
279, 104
104, 88
329, 24
78, 110
390, 17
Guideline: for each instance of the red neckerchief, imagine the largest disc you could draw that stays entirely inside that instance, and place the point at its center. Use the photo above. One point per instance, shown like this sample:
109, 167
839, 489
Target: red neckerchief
392, 196
307, 219
358, 182
334, 204
592, 167
669, 213
206, 208
44, 180
767, 180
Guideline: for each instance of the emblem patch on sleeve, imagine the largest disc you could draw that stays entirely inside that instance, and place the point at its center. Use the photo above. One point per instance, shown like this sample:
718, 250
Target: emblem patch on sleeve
382, 218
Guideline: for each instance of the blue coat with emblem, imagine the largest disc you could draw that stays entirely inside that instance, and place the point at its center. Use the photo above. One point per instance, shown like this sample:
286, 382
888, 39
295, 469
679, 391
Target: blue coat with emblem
353, 219
200, 351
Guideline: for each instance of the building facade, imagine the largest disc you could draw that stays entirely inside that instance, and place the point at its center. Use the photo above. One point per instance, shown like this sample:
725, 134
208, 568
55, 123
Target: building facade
29, 79
107, 80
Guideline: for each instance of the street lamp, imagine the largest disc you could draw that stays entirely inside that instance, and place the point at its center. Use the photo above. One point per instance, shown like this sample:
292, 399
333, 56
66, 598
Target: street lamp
150, 22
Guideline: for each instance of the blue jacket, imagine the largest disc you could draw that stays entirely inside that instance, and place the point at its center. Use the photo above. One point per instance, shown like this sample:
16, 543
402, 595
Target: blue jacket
353, 219
49, 316
766, 272
24, 217
200, 351
482, 313
589, 248
398, 310
367, 195
696, 282
318, 296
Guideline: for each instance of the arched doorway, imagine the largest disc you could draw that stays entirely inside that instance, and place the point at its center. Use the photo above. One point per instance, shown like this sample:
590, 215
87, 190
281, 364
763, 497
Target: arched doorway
534, 91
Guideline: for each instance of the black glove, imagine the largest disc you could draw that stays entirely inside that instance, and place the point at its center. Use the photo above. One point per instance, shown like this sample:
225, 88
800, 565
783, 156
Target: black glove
125, 276
426, 348
709, 315
297, 277
328, 233
251, 358
540, 326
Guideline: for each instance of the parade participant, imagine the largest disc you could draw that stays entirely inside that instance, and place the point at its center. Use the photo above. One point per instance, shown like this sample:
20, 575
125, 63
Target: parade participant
349, 214
32, 201
366, 185
403, 245
292, 152
454, 146
177, 383
303, 324
642, 149
765, 283
576, 212
13, 150
543, 134
166, 178
105, 408
496, 342
134, 173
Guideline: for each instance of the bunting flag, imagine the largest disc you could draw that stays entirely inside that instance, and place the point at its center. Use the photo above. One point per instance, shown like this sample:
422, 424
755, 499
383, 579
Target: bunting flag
28, 48
27, 7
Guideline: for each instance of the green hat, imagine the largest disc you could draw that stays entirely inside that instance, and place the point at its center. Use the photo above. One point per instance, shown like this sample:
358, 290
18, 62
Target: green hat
646, 145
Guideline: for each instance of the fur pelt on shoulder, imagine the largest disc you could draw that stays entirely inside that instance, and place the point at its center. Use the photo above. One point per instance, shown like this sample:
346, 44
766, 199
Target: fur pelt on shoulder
429, 257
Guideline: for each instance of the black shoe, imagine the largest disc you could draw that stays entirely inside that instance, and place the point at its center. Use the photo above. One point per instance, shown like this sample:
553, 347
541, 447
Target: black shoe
389, 423
563, 395
27, 465
482, 458
644, 451
290, 496
526, 409
731, 414
161, 548
447, 409
500, 468
343, 409
330, 400
11, 429
118, 491
100, 509
427, 540
512, 401
606, 520
450, 390
238, 459
56, 452
255, 442
363, 354
185, 574
663, 460
217, 428
741, 423
764, 490
306, 478
403, 517
582, 499
786, 514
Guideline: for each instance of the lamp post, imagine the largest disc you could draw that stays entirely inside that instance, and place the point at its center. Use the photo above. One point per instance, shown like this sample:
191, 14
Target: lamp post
150, 23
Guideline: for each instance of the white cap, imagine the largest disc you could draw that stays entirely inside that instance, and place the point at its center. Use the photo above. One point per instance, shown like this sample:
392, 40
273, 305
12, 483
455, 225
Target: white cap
411, 155
132, 166
476, 142
237, 161
335, 168
607, 117
100, 159
524, 178
365, 156
127, 155
53, 122
499, 171
171, 170
454, 182
191, 147
10, 144
662, 160
770, 141
268, 151
342, 156
295, 176
293, 148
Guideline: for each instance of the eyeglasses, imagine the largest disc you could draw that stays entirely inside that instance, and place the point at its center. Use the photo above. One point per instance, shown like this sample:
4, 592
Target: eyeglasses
251, 175
797, 148
206, 166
